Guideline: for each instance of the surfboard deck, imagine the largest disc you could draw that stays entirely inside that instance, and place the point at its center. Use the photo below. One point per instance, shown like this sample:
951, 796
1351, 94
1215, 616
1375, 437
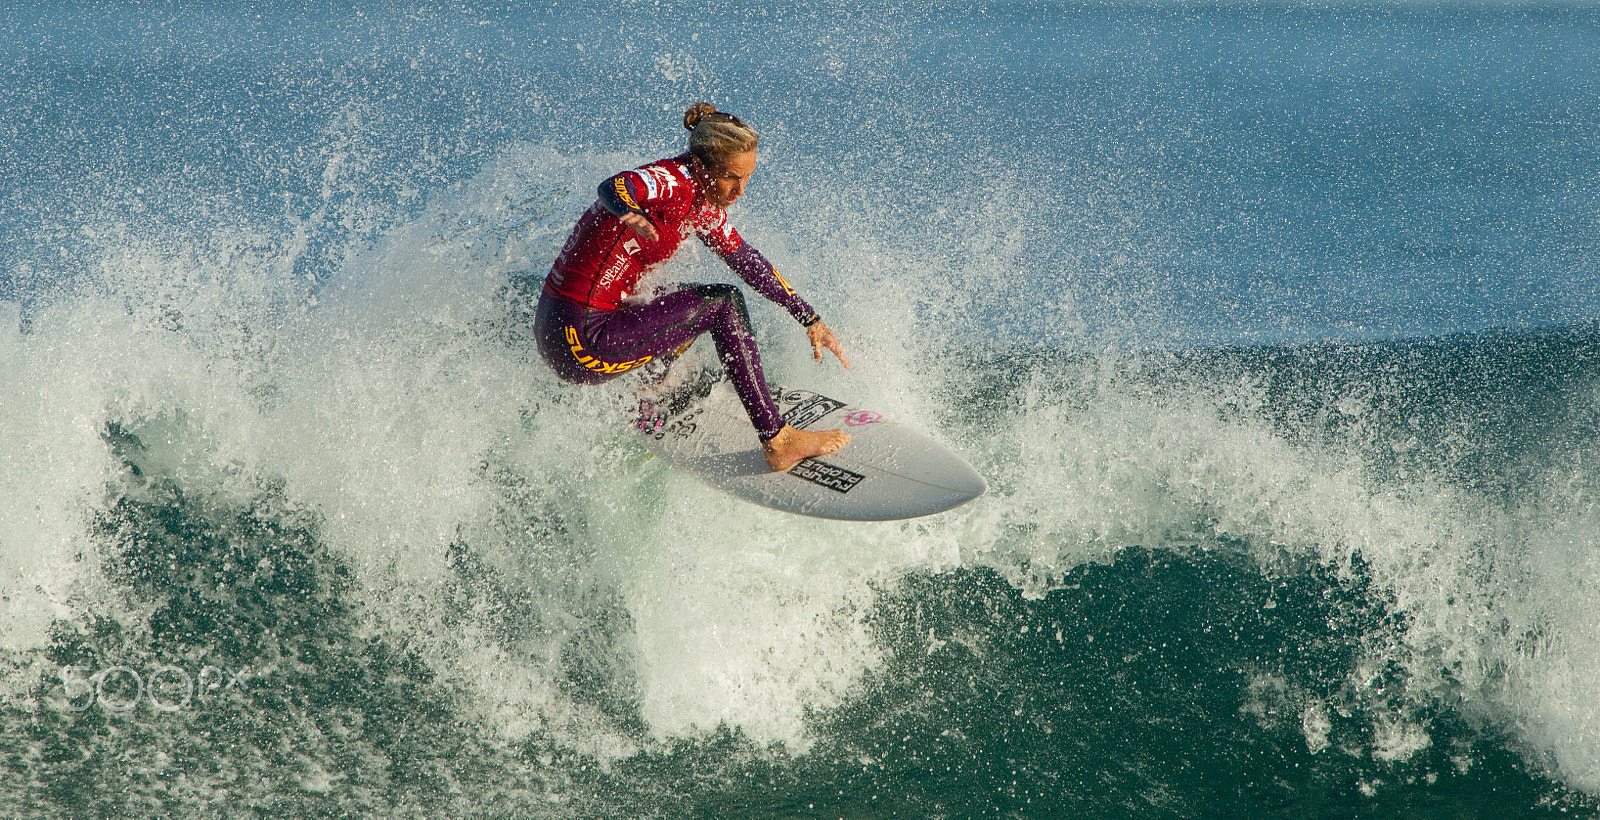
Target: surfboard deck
886, 472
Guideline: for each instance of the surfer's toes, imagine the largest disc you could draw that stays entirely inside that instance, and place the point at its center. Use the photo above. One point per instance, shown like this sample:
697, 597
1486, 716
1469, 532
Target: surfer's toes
790, 446
827, 441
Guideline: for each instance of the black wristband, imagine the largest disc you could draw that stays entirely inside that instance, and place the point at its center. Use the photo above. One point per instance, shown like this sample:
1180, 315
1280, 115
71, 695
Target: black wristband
810, 320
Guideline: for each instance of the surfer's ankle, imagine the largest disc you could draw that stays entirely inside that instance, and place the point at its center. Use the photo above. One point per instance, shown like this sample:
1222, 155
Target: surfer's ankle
790, 446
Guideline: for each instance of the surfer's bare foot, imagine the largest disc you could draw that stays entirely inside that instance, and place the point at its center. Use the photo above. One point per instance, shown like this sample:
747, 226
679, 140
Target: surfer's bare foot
790, 446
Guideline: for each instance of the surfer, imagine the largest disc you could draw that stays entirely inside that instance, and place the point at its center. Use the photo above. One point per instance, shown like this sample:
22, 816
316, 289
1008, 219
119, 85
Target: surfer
588, 330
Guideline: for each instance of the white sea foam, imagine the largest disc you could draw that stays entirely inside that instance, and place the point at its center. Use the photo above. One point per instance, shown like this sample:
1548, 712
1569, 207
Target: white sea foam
389, 402
1499, 597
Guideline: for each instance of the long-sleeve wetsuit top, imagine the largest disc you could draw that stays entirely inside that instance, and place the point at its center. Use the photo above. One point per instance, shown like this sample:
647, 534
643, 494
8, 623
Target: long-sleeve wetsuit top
603, 258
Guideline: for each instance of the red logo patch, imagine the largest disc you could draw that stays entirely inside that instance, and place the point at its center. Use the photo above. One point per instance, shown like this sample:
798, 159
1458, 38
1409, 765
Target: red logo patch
861, 417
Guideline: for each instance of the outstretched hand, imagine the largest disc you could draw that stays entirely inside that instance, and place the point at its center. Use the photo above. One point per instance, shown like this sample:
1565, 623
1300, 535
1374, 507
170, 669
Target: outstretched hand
822, 337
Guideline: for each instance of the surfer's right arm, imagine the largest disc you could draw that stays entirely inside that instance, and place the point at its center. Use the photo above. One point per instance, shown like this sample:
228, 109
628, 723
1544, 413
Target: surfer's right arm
620, 196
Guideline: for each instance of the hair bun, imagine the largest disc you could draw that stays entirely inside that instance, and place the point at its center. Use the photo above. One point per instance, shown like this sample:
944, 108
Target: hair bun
696, 113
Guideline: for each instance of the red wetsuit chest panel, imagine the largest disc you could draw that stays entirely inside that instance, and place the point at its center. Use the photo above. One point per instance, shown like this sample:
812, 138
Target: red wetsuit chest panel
603, 259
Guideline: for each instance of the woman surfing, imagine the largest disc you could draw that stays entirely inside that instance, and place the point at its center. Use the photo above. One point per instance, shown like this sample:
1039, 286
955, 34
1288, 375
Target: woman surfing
588, 331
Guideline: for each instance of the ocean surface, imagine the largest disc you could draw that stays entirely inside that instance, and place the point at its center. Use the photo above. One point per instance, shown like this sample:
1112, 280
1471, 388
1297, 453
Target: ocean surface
1273, 327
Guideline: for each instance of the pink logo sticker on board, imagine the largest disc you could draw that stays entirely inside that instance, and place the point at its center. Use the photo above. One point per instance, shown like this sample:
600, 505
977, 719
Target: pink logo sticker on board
861, 417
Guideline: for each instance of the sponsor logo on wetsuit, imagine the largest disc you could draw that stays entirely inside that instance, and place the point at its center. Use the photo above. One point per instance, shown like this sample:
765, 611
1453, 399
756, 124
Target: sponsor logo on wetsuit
658, 182
788, 288
620, 265
808, 407
622, 192
827, 475
595, 364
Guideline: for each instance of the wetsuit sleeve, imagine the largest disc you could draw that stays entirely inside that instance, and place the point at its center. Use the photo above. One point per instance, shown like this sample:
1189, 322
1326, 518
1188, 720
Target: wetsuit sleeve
620, 194
759, 274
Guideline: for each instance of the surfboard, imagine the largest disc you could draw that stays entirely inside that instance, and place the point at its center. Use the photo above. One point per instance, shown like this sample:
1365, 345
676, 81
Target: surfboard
887, 472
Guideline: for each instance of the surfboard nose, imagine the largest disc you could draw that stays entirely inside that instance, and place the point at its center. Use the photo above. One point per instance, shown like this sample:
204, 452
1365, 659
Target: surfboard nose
968, 482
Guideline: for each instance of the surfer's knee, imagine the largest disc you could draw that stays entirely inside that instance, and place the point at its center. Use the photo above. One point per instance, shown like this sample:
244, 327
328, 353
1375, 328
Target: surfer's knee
729, 296
720, 292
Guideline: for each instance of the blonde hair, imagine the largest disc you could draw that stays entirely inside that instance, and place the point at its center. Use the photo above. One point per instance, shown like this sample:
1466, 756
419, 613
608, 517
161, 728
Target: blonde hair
714, 136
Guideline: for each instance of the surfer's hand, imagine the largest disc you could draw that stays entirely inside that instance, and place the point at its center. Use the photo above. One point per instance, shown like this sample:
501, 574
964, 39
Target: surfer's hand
640, 225
822, 337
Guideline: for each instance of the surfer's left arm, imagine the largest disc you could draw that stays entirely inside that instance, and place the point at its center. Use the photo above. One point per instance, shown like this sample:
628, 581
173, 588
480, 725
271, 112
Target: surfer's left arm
760, 275
821, 337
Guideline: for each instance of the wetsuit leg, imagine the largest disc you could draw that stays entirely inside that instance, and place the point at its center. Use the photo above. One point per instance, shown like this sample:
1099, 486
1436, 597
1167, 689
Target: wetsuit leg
591, 346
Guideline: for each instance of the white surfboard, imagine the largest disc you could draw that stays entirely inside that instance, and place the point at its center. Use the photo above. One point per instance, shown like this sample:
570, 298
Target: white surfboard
885, 472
